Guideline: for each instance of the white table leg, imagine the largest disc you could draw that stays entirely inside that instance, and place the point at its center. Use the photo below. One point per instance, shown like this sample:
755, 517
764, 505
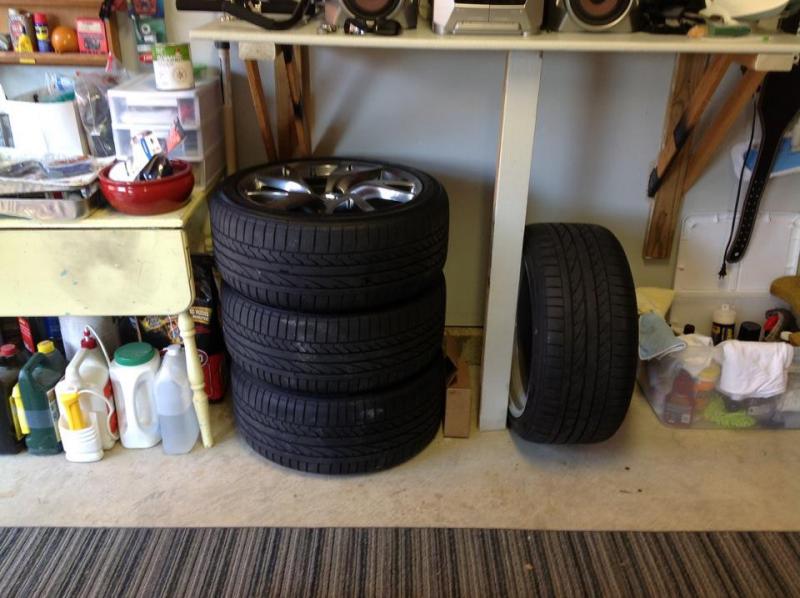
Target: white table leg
514, 155
196, 378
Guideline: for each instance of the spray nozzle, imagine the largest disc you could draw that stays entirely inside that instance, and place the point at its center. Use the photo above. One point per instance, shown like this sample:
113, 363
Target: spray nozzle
88, 341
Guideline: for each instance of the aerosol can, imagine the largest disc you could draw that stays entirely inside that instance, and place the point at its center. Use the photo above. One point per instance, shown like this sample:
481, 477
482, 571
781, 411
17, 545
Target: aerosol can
88, 418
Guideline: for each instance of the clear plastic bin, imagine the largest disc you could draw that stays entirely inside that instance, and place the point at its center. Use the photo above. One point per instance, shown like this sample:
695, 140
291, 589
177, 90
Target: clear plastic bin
682, 390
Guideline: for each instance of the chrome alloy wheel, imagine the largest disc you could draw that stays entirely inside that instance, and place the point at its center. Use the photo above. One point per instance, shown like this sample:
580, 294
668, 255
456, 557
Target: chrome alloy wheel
329, 187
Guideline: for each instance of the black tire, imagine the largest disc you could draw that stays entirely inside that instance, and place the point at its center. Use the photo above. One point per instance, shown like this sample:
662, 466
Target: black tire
330, 353
340, 434
325, 264
577, 335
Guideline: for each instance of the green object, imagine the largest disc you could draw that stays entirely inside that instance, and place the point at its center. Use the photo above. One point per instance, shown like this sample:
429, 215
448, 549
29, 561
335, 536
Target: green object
720, 29
172, 52
134, 354
37, 381
718, 415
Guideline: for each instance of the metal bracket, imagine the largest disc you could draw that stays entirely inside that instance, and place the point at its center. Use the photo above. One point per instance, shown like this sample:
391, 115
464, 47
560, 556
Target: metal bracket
257, 51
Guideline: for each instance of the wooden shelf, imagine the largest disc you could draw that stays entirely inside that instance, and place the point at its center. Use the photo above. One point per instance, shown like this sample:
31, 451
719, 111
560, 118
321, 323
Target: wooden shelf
52, 59
93, 5
423, 38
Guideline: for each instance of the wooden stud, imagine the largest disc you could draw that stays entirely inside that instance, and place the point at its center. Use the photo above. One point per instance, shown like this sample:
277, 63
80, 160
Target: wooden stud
260, 105
283, 111
666, 208
695, 106
707, 145
294, 80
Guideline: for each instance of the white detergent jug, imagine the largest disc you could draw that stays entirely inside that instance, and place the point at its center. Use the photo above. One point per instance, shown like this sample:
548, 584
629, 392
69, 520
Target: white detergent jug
133, 374
176, 416
88, 372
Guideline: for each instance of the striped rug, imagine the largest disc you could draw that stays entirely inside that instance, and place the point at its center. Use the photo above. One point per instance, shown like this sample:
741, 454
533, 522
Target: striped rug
393, 562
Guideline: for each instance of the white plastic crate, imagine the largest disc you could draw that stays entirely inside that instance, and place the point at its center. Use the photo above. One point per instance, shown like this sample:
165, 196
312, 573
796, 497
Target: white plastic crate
194, 146
138, 104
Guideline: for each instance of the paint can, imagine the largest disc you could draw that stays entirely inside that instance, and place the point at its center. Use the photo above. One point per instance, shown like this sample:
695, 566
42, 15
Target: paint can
172, 66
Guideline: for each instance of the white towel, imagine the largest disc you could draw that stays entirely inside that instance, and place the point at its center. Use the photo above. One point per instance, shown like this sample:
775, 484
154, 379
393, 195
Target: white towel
753, 369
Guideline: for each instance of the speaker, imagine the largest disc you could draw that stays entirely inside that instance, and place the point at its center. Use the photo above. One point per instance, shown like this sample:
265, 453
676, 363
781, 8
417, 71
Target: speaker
573, 16
403, 12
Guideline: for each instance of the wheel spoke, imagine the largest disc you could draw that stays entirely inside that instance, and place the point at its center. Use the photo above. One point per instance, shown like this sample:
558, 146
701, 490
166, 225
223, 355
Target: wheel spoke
372, 189
281, 184
344, 180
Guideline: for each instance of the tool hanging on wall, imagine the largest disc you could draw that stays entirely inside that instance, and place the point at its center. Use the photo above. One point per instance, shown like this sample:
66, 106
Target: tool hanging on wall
778, 105
695, 155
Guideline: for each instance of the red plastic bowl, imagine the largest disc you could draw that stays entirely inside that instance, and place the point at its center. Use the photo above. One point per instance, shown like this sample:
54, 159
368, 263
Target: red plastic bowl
146, 198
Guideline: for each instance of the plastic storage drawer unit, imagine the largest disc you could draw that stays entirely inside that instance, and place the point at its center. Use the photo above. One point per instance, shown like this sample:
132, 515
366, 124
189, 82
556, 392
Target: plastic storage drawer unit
139, 105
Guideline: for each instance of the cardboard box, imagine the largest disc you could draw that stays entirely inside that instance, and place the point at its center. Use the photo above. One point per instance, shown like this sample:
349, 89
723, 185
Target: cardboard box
91, 36
458, 404
37, 129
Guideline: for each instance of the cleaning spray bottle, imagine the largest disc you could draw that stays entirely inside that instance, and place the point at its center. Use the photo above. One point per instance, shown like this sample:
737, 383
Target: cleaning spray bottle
88, 421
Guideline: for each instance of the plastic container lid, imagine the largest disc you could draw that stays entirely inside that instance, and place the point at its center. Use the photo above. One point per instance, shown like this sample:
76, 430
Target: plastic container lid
725, 315
46, 347
134, 354
8, 350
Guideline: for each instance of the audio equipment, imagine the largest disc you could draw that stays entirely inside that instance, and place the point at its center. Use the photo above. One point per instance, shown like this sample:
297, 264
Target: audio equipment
618, 16
496, 17
383, 17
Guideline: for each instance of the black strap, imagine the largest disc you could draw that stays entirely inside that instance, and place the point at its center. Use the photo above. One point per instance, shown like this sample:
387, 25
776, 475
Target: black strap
243, 12
767, 153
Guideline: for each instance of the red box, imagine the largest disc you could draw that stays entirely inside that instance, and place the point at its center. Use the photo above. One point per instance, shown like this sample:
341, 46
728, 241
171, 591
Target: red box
91, 36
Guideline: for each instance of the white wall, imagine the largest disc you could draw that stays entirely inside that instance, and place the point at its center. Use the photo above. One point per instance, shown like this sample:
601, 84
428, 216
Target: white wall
599, 129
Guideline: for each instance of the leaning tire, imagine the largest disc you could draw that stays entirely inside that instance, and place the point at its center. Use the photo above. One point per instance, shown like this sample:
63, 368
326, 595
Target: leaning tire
576, 335
340, 434
282, 248
330, 353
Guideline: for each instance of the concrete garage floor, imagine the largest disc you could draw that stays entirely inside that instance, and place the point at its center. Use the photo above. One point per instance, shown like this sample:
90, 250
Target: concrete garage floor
648, 477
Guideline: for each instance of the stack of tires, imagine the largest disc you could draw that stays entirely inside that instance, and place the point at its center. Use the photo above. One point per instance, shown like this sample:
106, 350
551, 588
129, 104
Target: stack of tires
333, 310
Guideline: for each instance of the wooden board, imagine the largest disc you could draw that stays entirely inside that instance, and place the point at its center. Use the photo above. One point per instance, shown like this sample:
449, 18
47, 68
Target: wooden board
53, 59
689, 69
95, 272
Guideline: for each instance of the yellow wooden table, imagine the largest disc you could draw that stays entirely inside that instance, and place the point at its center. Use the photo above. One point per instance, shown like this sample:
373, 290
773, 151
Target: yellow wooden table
109, 264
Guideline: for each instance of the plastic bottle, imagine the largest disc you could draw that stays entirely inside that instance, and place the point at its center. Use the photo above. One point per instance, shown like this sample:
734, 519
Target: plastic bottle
37, 381
133, 374
176, 416
11, 438
722, 324
88, 376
